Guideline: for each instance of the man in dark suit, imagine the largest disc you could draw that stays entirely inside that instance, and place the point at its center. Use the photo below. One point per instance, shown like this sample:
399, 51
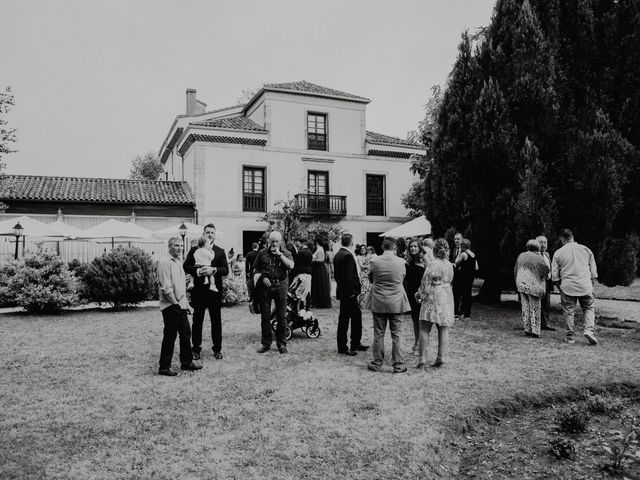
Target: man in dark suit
251, 289
203, 298
347, 291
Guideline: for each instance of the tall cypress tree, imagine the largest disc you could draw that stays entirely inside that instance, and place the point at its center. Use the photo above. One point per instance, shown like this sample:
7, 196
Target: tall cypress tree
447, 182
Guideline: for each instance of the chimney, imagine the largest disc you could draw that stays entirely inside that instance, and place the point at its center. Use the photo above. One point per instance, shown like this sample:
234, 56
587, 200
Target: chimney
191, 101
194, 106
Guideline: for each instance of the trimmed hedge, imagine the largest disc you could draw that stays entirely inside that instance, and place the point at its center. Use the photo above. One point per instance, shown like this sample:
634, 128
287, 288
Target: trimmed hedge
122, 277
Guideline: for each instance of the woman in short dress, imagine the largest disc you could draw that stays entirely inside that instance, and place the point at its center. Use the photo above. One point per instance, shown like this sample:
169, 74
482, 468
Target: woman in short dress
415, 271
436, 297
320, 286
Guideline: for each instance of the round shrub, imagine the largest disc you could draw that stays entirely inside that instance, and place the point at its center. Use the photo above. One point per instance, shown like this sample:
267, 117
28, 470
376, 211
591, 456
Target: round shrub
604, 404
563, 448
44, 284
233, 290
7, 291
125, 276
572, 419
618, 262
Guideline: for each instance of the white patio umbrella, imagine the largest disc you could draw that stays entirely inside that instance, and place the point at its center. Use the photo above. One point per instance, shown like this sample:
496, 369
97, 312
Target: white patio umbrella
115, 230
69, 231
417, 226
192, 231
30, 228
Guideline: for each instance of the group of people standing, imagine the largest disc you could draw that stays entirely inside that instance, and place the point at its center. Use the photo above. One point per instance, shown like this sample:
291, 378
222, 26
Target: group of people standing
572, 270
420, 280
430, 279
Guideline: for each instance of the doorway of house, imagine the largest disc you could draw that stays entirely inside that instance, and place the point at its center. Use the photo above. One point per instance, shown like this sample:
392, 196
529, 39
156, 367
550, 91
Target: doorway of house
375, 240
248, 237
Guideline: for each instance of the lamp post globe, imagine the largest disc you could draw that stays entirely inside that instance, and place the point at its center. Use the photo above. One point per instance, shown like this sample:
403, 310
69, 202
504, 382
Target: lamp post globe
17, 232
182, 229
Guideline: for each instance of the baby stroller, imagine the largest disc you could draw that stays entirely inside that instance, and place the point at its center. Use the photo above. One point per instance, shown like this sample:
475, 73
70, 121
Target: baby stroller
297, 318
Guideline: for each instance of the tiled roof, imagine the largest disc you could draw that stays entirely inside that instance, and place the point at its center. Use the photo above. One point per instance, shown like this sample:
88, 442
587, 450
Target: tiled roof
219, 139
389, 153
94, 190
313, 89
232, 123
378, 138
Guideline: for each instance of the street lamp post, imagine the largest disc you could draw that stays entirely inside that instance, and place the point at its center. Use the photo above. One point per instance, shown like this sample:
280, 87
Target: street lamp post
17, 232
183, 232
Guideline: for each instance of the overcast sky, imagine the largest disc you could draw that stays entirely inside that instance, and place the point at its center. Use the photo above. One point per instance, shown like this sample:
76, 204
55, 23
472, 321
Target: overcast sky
96, 83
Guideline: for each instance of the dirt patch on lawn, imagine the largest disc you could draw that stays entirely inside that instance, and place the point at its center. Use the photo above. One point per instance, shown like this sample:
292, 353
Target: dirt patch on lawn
532, 444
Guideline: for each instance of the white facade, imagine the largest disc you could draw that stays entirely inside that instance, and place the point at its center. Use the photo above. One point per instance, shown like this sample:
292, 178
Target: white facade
212, 158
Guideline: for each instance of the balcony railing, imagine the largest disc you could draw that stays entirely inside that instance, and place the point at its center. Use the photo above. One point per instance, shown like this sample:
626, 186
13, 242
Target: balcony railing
322, 205
253, 202
375, 206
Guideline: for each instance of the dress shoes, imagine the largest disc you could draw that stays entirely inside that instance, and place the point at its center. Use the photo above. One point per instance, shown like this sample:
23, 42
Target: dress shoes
399, 369
282, 350
531, 335
167, 372
437, 364
217, 355
547, 327
191, 367
350, 353
263, 348
361, 348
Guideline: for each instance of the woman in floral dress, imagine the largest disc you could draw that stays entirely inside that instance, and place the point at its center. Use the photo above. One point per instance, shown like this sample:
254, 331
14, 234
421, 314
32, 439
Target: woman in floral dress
531, 273
363, 266
436, 297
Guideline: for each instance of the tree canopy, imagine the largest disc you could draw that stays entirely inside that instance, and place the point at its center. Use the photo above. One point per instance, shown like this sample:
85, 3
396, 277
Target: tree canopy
538, 130
7, 134
146, 167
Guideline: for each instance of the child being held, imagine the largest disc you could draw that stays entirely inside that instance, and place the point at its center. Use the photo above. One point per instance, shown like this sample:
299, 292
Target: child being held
203, 257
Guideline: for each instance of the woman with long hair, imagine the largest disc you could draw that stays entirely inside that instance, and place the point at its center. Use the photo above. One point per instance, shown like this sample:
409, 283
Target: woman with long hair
415, 271
320, 286
436, 297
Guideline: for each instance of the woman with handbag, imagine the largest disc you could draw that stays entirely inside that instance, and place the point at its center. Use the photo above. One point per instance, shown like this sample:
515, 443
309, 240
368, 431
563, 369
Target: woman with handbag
531, 272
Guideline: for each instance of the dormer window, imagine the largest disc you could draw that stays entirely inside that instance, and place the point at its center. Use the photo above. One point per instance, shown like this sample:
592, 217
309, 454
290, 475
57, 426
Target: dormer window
317, 131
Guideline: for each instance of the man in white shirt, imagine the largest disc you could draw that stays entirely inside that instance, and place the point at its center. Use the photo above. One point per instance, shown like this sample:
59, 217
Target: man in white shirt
173, 305
574, 270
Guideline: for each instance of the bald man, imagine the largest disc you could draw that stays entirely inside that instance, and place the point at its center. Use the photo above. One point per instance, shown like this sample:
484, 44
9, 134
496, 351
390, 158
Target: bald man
270, 279
546, 299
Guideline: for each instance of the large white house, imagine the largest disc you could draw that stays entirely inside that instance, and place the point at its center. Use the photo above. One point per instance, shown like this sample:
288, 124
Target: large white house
291, 140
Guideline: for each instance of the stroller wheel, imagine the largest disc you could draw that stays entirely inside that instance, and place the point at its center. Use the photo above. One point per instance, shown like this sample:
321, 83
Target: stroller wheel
274, 324
287, 332
313, 331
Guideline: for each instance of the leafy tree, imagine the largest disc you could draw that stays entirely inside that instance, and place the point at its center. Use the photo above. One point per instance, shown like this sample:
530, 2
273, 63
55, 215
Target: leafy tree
538, 130
7, 135
286, 219
146, 167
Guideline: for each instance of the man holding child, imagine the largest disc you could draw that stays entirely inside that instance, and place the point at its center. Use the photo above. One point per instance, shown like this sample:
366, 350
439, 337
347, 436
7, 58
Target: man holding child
207, 289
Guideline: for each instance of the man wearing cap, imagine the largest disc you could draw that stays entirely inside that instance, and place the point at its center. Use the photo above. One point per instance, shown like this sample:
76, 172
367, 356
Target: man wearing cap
270, 279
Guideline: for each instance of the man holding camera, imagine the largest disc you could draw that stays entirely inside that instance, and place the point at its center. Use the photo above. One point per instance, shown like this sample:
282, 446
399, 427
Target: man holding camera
270, 279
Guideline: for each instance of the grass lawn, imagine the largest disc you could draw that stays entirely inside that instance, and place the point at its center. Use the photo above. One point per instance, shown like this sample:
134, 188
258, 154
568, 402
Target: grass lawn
80, 398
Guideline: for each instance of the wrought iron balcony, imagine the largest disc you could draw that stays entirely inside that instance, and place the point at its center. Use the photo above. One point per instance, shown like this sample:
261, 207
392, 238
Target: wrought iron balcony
322, 205
253, 202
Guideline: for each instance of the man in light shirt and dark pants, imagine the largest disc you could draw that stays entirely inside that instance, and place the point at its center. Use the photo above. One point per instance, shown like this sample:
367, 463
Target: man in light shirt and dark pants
173, 305
574, 270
